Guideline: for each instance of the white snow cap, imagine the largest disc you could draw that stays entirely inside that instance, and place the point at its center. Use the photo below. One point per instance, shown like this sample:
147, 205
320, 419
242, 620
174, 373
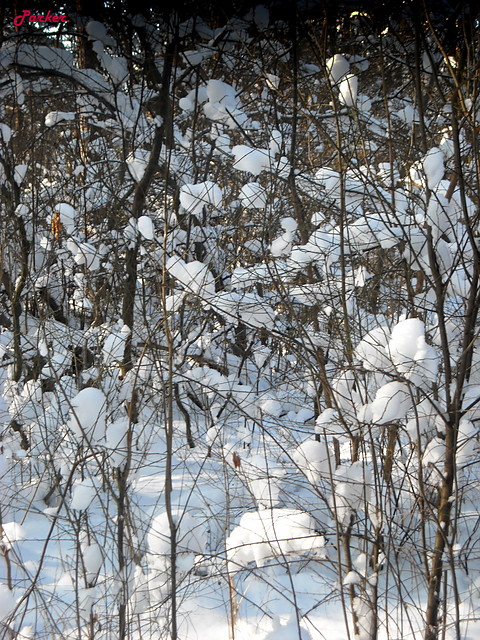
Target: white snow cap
272, 81
253, 196
116, 66
337, 67
392, 402
92, 560
223, 104
193, 197
263, 478
137, 162
83, 493
85, 253
352, 490
467, 441
289, 224
67, 216
249, 159
116, 441
261, 17
97, 31
7, 601
312, 458
288, 631
193, 275
5, 133
193, 56
195, 96
219, 91
57, 116
434, 166
372, 350
404, 343
88, 416
114, 345
12, 532
145, 227
282, 246
348, 90
19, 174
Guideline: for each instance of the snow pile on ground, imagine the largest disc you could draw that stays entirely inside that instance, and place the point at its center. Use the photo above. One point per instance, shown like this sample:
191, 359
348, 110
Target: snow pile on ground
190, 538
271, 533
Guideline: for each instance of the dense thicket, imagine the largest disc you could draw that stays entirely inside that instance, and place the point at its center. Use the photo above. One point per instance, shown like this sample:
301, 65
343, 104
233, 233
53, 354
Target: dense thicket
239, 306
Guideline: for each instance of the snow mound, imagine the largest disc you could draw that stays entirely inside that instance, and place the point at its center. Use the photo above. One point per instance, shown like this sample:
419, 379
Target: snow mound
54, 117
193, 197
348, 90
403, 343
67, 216
219, 91
83, 493
7, 602
352, 490
269, 533
434, 166
11, 532
145, 227
288, 631
392, 402
190, 537
116, 441
114, 345
249, 159
223, 104
289, 224
85, 253
137, 163
312, 457
337, 67
88, 415
263, 479
282, 246
253, 196
92, 557
372, 352
97, 31
193, 275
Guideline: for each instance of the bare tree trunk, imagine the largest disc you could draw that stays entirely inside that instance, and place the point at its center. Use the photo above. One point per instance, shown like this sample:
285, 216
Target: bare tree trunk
454, 404
140, 196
